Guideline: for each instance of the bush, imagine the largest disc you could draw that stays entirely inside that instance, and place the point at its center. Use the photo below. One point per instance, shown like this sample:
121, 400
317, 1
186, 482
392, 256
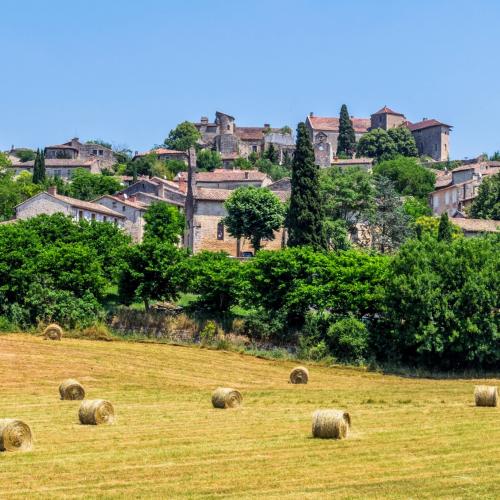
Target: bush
6, 325
97, 331
348, 339
209, 333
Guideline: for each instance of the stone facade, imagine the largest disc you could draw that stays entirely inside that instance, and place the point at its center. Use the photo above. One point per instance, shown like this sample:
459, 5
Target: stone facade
232, 141
74, 149
432, 139
157, 189
163, 154
62, 168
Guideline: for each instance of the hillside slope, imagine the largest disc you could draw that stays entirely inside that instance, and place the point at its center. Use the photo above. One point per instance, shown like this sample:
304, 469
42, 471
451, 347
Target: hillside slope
410, 438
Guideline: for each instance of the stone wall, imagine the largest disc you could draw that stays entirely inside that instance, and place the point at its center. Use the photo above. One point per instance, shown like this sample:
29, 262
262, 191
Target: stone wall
42, 204
433, 142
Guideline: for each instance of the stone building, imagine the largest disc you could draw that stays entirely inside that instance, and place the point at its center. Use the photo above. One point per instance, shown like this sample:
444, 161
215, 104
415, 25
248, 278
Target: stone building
232, 141
148, 190
225, 179
164, 154
74, 150
431, 136
455, 190
63, 168
50, 202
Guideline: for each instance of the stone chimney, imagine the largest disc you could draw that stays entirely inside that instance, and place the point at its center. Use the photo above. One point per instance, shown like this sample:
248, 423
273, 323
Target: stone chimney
52, 190
204, 120
190, 199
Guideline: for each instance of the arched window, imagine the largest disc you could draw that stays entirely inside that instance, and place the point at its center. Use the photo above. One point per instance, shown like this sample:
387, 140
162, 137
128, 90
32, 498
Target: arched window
220, 231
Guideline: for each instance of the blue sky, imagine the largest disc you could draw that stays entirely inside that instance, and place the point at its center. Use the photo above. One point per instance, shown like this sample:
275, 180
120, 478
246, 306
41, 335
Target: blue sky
128, 71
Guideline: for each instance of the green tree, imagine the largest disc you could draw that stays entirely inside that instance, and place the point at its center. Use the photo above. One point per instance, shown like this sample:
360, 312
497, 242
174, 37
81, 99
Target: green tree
272, 154
404, 141
100, 142
495, 156
216, 280
426, 226
389, 224
416, 208
253, 213
208, 160
286, 130
164, 223
346, 142
305, 215
486, 205
39, 167
445, 228
442, 304
87, 186
182, 137
377, 144
4, 161
408, 176
24, 154
242, 163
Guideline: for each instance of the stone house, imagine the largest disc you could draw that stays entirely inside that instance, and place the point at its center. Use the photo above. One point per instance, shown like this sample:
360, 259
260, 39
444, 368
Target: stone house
225, 179
431, 136
50, 202
63, 168
147, 190
74, 150
232, 141
164, 154
132, 209
455, 190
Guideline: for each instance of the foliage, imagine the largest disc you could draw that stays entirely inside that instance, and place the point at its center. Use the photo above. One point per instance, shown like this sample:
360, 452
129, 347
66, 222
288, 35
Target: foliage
346, 142
336, 234
182, 137
404, 141
143, 165
167, 169
305, 215
276, 172
416, 208
215, 278
445, 228
253, 213
39, 167
14, 190
408, 176
429, 226
164, 223
151, 270
486, 205
389, 224
87, 186
272, 154
23, 155
208, 160
4, 161
495, 156
348, 194
377, 144
442, 303
100, 142
348, 339
242, 163
286, 130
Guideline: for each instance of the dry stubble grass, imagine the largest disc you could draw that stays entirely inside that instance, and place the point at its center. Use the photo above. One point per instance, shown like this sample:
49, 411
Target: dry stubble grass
410, 438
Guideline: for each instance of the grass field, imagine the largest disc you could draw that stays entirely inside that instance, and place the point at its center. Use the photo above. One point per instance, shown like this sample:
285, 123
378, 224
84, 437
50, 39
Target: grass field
411, 438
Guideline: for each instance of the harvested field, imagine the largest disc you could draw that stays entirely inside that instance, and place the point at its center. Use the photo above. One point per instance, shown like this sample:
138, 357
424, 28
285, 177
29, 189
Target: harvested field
409, 437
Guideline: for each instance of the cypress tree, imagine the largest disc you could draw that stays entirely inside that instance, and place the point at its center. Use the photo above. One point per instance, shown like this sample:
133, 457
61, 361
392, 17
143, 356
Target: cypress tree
346, 143
42, 166
272, 154
445, 229
36, 168
305, 215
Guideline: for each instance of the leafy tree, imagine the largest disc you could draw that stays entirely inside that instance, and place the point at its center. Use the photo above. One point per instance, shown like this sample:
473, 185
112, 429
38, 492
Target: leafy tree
486, 205
348, 194
253, 213
24, 155
346, 142
100, 142
348, 339
404, 141
4, 161
164, 223
39, 167
276, 172
122, 155
305, 215
389, 225
286, 130
14, 190
426, 226
287, 160
445, 228
416, 208
167, 169
408, 176
272, 154
87, 186
442, 304
377, 144
215, 278
336, 234
495, 156
143, 165
252, 158
182, 137
243, 163
208, 160
152, 270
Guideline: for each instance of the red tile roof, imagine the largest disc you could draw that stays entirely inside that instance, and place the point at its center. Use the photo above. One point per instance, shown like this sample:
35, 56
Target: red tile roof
425, 124
360, 125
477, 225
86, 205
161, 151
251, 133
212, 194
221, 175
388, 111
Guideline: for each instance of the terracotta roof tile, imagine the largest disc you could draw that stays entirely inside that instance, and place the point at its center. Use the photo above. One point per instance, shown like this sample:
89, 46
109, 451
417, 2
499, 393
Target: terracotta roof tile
212, 194
388, 111
331, 124
251, 133
425, 124
220, 175
161, 151
477, 225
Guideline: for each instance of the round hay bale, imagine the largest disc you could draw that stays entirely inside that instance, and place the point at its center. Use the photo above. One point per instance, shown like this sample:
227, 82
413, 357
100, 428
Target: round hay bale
224, 397
53, 332
71, 389
486, 395
96, 411
299, 375
14, 435
330, 424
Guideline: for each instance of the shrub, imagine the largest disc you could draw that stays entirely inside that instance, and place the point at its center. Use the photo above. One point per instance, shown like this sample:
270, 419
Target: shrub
348, 339
209, 333
97, 331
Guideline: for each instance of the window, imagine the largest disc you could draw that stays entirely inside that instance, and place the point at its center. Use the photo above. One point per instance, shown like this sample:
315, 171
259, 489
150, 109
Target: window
124, 208
435, 147
220, 231
80, 214
92, 216
101, 152
57, 173
254, 149
115, 221
104, 218
114, 204
94, 152
229, 127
